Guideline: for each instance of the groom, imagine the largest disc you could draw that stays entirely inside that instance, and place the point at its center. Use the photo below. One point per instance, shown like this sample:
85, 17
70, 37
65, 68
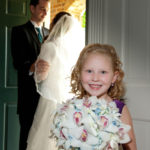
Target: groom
26, 41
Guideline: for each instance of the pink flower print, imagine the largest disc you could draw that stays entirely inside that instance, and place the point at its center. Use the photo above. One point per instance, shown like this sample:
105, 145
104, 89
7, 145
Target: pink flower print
86, 103
77, 117
64, 108
84, 135
109, 147
104, 121
121, 133
61, 134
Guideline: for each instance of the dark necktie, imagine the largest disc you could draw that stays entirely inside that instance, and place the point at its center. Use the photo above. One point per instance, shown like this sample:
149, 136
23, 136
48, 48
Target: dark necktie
39, 35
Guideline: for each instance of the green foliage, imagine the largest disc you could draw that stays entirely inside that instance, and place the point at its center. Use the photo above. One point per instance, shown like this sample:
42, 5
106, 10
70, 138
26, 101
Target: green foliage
84, 20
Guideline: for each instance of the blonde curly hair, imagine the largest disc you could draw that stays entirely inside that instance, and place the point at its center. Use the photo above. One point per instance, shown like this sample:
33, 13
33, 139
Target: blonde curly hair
117, 90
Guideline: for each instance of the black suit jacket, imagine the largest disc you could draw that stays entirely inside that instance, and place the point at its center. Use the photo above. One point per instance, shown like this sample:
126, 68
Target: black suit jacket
25, 48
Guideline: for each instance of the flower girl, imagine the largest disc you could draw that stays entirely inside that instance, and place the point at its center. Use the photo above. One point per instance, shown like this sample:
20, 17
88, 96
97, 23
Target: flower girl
96, 118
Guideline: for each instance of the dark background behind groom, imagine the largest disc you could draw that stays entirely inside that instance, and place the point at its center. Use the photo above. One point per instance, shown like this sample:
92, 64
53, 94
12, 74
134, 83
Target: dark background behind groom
25, 46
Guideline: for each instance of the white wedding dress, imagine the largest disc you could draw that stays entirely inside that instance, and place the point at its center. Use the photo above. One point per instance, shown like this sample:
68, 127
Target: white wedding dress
39, 136
61, 54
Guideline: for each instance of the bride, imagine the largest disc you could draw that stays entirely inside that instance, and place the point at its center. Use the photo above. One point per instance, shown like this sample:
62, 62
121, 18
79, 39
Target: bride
58, 54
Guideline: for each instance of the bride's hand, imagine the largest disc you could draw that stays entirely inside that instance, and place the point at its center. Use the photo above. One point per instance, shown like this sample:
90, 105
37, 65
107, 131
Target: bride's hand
42, 69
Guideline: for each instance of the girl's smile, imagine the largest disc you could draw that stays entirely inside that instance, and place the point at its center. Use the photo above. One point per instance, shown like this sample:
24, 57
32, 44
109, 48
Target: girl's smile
95, 86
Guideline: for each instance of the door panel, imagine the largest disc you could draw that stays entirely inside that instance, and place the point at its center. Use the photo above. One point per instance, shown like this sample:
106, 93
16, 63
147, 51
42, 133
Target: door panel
11, 126
126, 25
11, 76
11, 13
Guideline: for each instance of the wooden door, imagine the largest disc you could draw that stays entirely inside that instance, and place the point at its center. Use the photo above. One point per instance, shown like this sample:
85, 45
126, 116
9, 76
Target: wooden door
11, 13
126, 25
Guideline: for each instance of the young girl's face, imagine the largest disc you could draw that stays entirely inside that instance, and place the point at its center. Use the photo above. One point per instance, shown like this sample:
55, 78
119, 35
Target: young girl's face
97, 74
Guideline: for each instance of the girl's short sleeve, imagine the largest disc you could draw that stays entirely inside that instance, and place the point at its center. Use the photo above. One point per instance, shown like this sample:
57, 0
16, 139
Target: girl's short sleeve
119, 105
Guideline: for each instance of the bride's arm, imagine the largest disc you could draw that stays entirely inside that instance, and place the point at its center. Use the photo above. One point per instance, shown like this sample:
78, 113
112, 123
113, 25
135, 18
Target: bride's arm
45, 58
